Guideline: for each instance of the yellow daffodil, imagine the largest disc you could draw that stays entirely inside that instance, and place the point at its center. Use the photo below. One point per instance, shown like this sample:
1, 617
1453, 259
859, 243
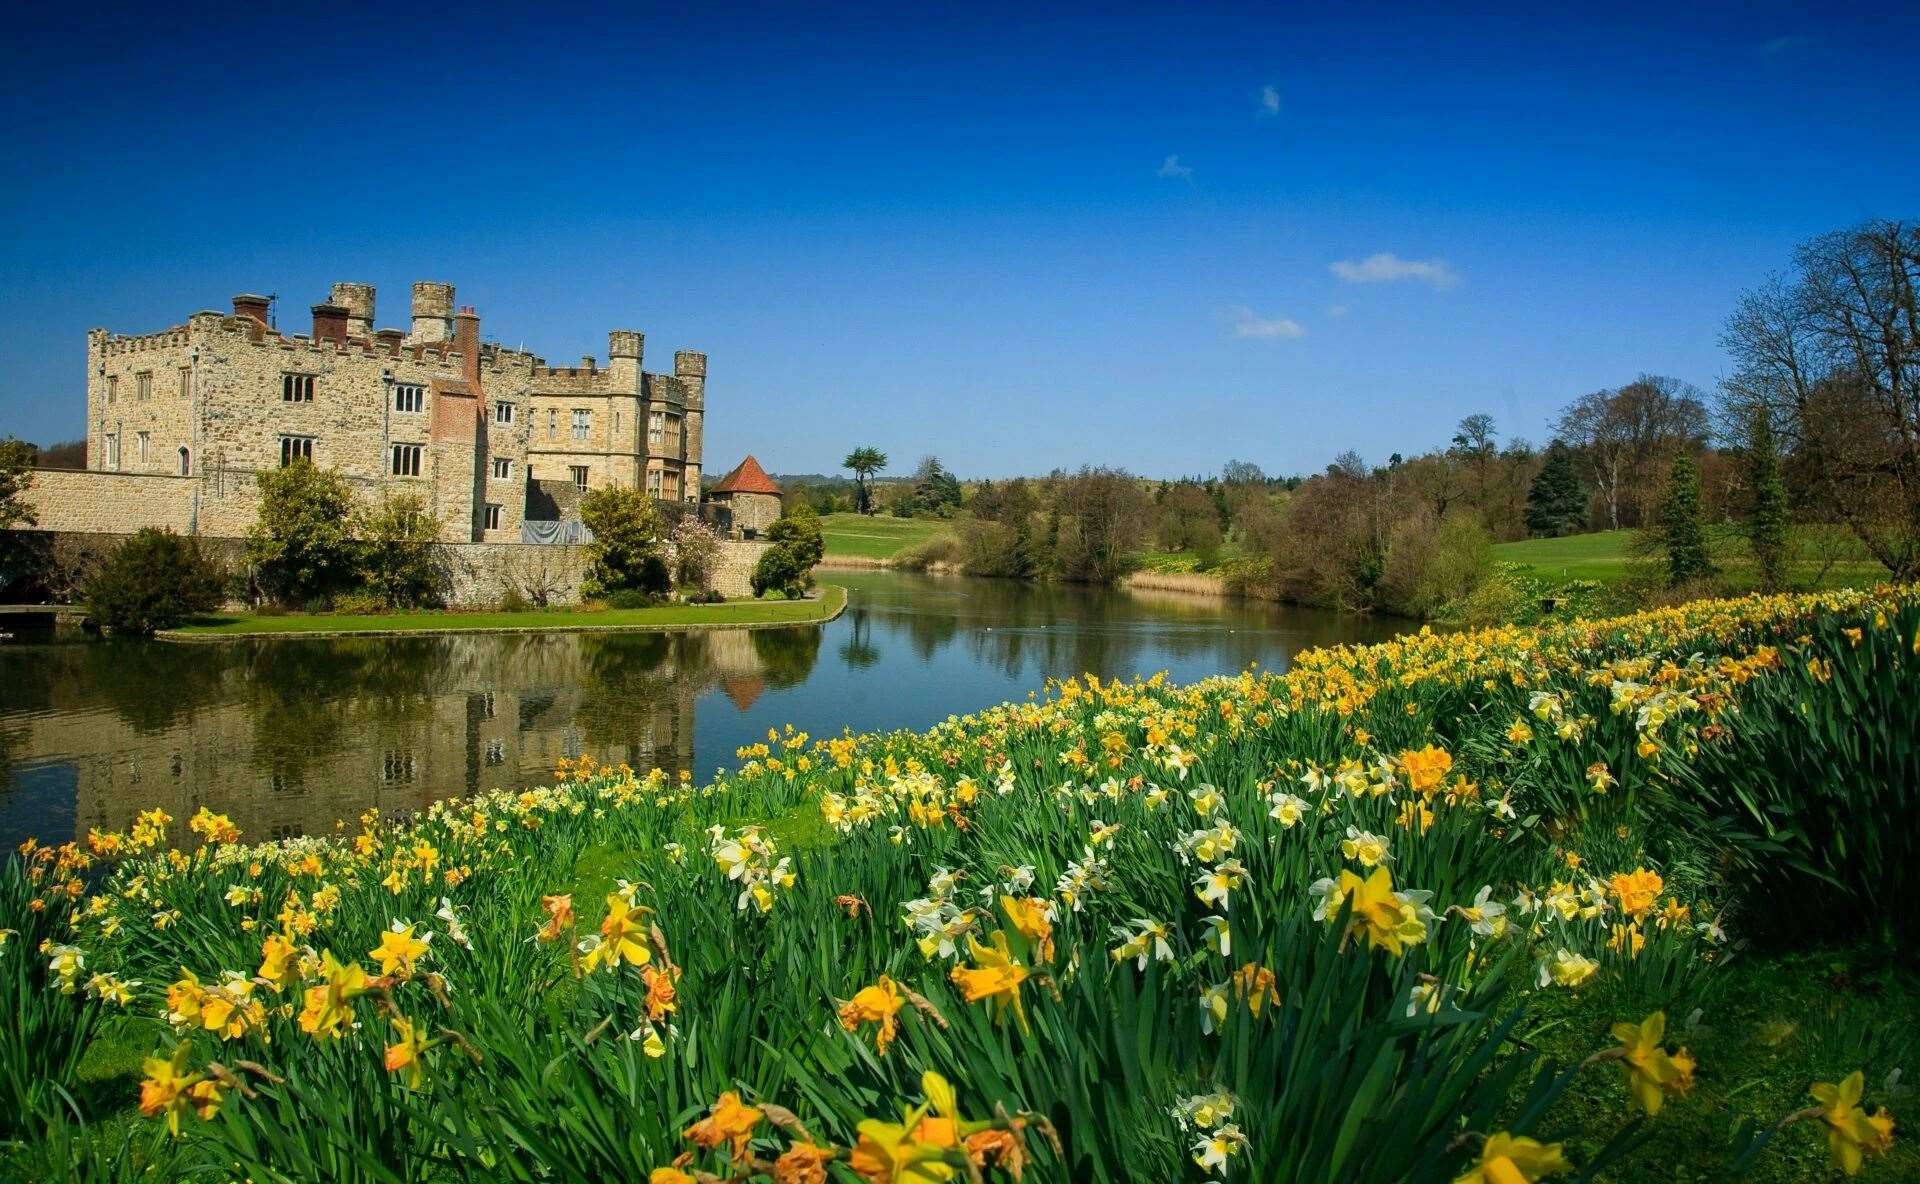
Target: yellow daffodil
1652, 1073
1515, 1159
328, 1006
994, 976
729, 1123
1852, 1133
406, 1055
170, 1090
877, 1004
399, 951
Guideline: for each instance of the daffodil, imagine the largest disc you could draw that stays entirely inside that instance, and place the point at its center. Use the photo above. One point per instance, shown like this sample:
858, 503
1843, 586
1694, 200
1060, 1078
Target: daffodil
1852, 1133
328, 1005
877, 1004
995, 976
729, 1123
1652, 1073
399, 951
623, 936
170, 1090
1515, 1159
406, 1055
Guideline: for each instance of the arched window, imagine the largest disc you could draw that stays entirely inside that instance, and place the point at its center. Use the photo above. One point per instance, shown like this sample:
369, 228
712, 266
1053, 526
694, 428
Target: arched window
186, 468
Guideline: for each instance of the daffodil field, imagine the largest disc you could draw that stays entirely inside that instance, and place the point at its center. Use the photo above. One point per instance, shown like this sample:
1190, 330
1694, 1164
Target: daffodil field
1290, 927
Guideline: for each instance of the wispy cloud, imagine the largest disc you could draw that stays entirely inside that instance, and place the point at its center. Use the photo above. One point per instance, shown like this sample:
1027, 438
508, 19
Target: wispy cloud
1247, 323
1385, 267
1269, 100
1780, 45
1171, 167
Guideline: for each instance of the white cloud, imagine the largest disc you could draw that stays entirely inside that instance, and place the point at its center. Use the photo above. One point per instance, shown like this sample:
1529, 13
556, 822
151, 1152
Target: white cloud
1171, 167
1246, 323
1385, 268
1269, 100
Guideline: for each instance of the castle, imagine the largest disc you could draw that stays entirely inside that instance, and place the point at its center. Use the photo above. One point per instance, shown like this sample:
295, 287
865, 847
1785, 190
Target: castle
474, 429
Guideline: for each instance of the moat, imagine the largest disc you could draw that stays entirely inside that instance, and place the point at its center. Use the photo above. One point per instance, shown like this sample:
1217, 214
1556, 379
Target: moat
288, 736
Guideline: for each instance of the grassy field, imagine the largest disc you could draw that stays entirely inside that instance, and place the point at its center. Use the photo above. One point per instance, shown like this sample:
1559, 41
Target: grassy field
672, 616
862, 536
1608, 557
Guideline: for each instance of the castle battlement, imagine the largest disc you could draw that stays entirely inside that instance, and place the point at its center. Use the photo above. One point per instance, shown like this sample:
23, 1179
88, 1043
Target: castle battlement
430, 410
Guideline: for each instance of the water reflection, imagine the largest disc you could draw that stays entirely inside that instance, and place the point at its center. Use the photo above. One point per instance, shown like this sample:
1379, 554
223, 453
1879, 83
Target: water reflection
289, 736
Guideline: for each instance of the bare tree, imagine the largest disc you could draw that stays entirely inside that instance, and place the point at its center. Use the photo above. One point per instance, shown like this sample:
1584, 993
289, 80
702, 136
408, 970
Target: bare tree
1831, 357
1628, 435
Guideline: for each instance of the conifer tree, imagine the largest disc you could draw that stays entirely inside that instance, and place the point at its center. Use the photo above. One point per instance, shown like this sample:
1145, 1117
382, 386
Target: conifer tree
1556, 503
1767, 529
1681, 534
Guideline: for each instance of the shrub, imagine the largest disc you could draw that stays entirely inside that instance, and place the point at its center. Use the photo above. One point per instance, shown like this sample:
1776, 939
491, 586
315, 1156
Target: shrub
799, 530
512, 600
154, 580
360, 602
398, 540
301, 546
634, 598
934, 550
778, 570
625, 551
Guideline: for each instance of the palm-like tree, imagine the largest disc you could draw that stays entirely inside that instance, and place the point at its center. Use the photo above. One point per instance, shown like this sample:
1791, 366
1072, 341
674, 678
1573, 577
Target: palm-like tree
864, 462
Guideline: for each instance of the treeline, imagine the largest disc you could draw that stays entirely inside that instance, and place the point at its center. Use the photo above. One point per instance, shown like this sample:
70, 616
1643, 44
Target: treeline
1819, 426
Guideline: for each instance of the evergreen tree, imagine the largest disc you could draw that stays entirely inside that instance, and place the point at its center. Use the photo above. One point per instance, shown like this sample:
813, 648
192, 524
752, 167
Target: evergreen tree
1767, 529
1556, 503
1680, 532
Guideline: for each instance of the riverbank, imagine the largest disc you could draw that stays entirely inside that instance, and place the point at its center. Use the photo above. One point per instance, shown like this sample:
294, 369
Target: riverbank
670, 618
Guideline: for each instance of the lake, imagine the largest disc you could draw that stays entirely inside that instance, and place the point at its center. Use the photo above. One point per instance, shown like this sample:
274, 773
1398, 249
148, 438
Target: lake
288, 736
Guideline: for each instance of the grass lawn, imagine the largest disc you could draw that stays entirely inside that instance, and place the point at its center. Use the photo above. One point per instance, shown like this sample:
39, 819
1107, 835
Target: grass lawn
874, 536
671, 616
1608, 557
1177, 562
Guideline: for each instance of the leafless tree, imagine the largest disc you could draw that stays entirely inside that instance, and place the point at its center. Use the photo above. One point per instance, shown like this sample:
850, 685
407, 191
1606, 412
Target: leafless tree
1831, 356
1628, 435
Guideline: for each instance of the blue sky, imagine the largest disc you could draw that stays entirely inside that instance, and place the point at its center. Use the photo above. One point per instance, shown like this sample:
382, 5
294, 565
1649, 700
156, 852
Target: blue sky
1019, 237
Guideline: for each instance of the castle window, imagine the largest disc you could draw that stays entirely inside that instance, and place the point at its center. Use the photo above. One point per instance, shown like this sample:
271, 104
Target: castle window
397, 767
406, 460
656, 430
496, 752
186, 382
294, 448
503, 413
579, 475
409, 397
113, 450
143, 385
670, 487
140, 442
186, 462
502, 469
553, 422
582, 420
653, 482
296, 388
492, 516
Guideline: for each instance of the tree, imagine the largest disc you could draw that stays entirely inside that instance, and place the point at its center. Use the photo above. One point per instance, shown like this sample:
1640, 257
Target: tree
864, 462
1556, 504
1625, 433
17, 558
1831, 355
1242, 472
301, 546
1106, 516
624, 554
696, 552
398, 539
1680, 533
154, 580
799, 531
1767, 527
936, 491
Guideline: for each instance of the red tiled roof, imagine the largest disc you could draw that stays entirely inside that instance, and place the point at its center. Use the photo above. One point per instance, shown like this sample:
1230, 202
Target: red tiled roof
747, 477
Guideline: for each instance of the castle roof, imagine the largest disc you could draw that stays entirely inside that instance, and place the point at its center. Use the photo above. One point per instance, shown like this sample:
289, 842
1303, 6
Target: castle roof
747, 477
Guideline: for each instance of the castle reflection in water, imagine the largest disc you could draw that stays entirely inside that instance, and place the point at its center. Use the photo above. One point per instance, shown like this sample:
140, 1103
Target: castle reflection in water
288, 737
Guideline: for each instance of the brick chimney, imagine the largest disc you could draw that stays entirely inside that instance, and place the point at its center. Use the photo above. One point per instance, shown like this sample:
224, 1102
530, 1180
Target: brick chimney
254, 308
466, 339
329, 322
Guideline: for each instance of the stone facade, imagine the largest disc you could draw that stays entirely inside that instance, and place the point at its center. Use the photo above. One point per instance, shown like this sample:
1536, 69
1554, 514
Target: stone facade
750, 496
432, 411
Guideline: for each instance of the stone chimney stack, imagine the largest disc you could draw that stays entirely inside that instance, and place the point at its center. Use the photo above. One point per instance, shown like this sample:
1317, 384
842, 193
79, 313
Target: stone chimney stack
357, 299
432, 313
329, 322
466, 339
254, 308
